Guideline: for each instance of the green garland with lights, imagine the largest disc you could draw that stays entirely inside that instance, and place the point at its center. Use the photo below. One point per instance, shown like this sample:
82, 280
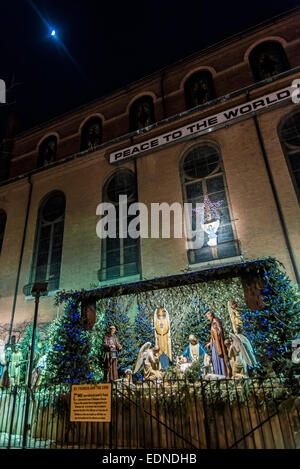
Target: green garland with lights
273, 328
186, 297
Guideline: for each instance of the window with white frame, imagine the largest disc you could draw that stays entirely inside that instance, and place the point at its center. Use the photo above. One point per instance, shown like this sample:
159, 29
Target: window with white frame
49, 241
203, 183
120, 255
289, 134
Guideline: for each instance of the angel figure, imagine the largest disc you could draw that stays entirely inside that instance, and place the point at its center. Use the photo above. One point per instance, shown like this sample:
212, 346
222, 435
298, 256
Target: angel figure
240, 354
150, 357
235, 317
162, 332
211, 230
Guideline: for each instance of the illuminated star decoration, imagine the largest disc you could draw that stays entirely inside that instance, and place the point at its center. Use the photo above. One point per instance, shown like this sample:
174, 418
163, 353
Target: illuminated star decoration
211, 209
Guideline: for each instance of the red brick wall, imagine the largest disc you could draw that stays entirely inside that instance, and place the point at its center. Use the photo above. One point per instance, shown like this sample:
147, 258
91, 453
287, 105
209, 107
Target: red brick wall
232, 73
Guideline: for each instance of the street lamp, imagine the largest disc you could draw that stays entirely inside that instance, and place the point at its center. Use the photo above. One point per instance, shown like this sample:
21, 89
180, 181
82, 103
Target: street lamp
39, 289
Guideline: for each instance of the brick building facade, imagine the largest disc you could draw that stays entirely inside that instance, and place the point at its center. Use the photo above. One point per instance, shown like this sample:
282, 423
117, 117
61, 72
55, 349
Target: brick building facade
59, 171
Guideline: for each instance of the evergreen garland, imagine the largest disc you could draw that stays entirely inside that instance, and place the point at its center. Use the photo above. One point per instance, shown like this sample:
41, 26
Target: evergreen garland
272, 330
143, 326
25, 350
196, 323
97, 353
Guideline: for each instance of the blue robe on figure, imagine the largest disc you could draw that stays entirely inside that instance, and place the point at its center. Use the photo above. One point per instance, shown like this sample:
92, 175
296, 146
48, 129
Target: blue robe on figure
187, 352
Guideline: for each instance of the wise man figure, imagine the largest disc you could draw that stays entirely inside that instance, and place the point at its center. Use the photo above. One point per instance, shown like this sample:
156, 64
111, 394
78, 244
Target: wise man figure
219, 358
111, 347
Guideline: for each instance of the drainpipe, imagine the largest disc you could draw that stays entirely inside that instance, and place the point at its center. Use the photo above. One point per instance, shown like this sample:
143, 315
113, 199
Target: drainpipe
277, 202
140, 243
20, 260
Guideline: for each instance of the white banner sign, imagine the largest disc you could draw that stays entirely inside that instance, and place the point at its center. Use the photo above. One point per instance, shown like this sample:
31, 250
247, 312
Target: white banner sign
203, 124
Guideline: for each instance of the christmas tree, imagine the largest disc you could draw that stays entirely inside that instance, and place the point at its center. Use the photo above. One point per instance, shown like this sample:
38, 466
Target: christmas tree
116, 315
97, 353
25, 350
143, 327
195, 323
272, 330
68, 360
143, 332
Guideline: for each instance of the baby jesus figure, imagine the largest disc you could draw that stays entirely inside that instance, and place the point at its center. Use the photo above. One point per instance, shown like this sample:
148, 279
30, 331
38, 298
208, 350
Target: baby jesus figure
182, 364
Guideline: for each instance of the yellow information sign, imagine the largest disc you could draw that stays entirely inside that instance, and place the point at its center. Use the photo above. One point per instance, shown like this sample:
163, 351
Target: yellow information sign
91, 403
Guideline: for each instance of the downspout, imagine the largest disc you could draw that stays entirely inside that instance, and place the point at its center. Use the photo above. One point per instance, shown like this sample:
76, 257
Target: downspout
277, 202
20, 259
140, 243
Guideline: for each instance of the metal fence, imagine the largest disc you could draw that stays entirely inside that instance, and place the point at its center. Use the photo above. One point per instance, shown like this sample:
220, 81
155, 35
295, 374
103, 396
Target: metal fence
226, 414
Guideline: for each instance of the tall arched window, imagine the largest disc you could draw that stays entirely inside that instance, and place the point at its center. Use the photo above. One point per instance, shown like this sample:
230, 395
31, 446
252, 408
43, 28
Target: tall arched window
199, 89
49, 241
289, 134
91, 134
141, 113
120, 256
268, 59
3, 218
47, 151
203, 184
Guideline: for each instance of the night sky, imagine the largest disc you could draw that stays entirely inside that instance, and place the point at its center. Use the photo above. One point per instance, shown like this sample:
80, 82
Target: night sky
103, 45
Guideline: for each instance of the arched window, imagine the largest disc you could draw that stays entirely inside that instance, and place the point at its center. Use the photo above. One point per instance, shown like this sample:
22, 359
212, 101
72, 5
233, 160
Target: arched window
91, 135
141, 113
289, 134
203, 184
268, 59
3, 218
47, 151
49, 240
120, 255
199, 89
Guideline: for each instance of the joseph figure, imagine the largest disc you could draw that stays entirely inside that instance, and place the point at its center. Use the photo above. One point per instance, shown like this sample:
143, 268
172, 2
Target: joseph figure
219, 357
111, 347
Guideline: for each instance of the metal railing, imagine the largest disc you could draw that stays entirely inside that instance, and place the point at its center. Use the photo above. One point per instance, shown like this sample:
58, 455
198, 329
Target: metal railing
177, 414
